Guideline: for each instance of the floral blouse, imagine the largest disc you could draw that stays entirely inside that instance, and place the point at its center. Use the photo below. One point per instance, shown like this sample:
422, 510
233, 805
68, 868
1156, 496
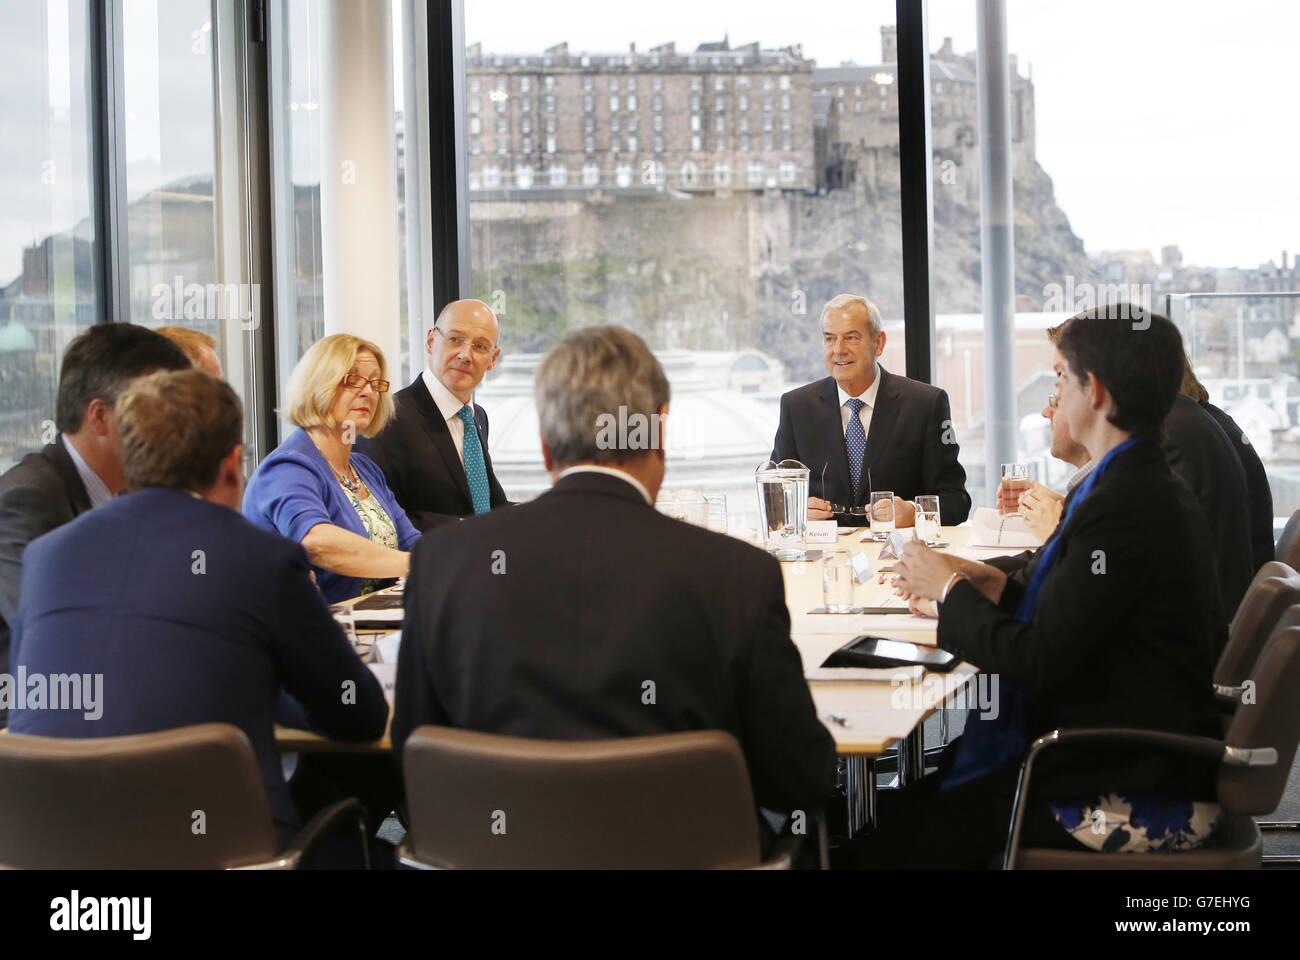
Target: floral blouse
379, 529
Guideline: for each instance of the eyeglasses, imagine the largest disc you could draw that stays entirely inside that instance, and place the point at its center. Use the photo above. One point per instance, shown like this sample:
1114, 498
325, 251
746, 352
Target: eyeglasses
355, 381
481, 348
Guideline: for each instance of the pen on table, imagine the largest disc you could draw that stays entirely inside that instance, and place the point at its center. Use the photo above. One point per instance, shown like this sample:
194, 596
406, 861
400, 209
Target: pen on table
836, 718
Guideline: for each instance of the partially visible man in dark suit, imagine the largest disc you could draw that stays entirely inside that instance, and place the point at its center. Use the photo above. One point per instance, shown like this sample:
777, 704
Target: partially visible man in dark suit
1201, 457
437, 468
864, 428
82, 467
189, 613
551, 620
1258, 492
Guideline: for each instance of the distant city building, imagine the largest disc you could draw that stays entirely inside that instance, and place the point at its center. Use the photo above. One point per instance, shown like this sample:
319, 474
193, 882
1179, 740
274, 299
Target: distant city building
715, 119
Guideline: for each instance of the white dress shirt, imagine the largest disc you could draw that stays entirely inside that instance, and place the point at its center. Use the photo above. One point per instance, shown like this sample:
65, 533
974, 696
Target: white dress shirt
868, 397
449, 406
96, 488
609, 472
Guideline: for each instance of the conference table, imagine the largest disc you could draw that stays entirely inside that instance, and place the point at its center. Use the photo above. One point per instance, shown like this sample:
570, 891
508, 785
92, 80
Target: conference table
868, 715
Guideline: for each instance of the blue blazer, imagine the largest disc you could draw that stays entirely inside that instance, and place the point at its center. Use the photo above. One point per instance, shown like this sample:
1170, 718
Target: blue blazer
191, 615
294, 489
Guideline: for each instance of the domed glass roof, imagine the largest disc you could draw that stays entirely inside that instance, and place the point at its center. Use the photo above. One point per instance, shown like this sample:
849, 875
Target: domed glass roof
14, 338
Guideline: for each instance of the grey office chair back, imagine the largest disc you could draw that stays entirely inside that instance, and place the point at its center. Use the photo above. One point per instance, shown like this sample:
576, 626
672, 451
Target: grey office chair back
1275, 588
1288, 545
185, 798
481, 801
1271, 721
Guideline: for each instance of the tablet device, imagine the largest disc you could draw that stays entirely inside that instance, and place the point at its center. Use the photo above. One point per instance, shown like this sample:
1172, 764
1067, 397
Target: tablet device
869, 651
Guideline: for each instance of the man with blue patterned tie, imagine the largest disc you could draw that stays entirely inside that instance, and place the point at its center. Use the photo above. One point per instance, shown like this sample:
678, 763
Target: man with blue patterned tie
863, 428
434, 453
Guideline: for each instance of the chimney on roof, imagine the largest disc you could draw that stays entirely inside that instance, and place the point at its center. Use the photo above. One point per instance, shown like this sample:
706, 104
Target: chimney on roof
474, 51
946, 50
889, 44
559, 50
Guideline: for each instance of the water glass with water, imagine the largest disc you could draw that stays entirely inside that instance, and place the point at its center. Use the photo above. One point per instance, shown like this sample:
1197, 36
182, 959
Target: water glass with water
837, 582
882, 514
927, 519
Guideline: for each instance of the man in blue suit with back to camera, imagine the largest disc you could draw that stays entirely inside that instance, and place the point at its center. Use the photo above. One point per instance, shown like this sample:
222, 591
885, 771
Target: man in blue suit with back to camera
188, 612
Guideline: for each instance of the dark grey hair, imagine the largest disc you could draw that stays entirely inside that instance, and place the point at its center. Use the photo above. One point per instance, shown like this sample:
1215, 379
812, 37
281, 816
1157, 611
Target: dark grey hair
596, 378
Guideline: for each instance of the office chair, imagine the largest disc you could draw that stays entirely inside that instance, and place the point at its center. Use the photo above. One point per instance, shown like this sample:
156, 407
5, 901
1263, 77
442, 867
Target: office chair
190, 798
1254, 762
673, 801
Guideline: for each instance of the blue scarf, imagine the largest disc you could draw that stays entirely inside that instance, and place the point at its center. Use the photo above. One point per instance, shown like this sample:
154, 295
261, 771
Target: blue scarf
987, 744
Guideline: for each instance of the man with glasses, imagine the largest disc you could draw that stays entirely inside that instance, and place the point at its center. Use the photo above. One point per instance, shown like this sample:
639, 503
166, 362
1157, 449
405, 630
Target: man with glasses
435, 452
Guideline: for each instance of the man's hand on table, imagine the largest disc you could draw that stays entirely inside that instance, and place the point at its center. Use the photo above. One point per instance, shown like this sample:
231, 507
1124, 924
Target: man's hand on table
819, 509
904, 513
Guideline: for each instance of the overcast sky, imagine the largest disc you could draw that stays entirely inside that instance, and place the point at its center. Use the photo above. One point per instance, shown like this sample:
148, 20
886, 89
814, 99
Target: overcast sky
1159, 121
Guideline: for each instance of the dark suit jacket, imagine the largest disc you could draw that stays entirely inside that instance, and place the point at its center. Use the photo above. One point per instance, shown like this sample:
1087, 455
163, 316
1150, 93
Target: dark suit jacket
906, 448
1132, 646
41, 492
598, 594
1200, 453
418, 457
1258, 492
1197, 452
183, 639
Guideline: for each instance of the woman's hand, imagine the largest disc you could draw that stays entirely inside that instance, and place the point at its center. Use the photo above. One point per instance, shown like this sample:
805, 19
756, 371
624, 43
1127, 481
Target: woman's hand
923, 572
1042, 509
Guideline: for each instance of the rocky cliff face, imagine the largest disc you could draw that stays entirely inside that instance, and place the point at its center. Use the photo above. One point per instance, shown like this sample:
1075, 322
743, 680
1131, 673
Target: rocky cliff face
744, 269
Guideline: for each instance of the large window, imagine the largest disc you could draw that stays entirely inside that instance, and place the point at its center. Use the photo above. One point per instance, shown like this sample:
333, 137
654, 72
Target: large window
299, 109
48, 243
719, 250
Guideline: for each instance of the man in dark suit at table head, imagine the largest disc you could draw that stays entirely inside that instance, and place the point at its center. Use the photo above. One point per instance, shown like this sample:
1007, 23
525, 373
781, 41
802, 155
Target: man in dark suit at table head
186, 611
81, 466
434, 454
864, 428
587, 614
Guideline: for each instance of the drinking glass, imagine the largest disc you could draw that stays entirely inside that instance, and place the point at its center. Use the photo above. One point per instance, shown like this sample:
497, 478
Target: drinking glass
1015, 481
717, 513
837, 582
346, 618
882, 514
927, 519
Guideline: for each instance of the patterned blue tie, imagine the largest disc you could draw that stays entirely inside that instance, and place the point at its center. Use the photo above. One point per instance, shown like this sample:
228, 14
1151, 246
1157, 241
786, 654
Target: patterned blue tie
855, 438
475, 469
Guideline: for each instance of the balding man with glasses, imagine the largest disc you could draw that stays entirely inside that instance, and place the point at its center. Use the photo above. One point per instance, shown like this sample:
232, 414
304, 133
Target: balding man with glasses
434, 453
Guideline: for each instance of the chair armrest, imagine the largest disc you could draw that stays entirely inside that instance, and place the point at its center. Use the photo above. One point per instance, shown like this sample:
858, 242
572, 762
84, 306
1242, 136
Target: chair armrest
1203, 748
322, 825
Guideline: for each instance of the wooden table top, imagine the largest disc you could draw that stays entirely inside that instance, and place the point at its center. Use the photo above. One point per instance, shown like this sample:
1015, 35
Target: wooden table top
878, 712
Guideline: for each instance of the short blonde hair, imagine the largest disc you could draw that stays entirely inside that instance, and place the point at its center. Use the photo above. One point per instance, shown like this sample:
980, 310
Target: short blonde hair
190, 341
318, 377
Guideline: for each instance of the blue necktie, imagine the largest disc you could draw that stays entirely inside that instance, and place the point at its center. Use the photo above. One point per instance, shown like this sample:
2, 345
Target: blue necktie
475, 469
855, 438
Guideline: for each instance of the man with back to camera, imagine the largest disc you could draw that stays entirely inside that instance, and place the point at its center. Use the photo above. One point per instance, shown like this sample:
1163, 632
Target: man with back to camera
82, 467
435, 462
601, 591
863, 428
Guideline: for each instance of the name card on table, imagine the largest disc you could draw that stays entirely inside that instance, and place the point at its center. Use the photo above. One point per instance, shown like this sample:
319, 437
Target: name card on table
386, 647
823, 531
386, 674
